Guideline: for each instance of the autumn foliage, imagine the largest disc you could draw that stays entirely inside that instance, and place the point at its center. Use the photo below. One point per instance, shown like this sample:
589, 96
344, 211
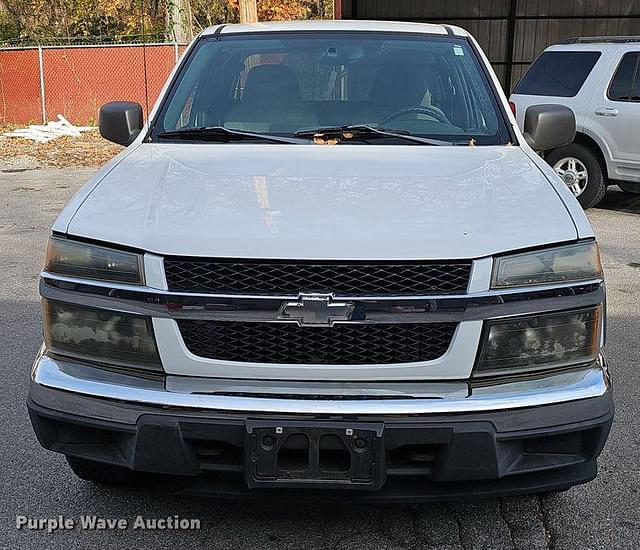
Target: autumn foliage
77, 18
278, 10
34, 21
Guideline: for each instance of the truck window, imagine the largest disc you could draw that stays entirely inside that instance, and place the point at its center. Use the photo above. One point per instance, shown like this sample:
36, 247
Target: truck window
281, 83
560, 74
625, 84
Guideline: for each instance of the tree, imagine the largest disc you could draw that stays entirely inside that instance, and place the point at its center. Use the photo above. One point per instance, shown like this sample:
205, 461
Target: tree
120, 20
212, 12
281, 10
285, 10
107, 19
180, 20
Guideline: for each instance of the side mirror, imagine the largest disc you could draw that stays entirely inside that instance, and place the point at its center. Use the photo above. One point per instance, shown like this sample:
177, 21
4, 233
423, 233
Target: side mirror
549, 126
120, 121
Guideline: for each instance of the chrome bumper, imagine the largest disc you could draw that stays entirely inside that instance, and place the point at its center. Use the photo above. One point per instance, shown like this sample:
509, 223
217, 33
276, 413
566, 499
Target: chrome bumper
57, 383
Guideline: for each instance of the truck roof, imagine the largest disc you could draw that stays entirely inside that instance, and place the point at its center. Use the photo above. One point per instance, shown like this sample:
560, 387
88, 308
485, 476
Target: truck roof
332, 25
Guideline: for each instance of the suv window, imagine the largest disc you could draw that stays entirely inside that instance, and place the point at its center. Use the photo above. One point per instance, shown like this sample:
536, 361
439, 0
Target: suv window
625, 84
557, 74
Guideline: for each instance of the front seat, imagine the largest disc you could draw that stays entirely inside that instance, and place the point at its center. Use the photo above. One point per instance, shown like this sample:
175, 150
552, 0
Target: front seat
271, 102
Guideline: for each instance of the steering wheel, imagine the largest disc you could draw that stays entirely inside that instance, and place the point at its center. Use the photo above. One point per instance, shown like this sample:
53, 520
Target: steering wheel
423, 110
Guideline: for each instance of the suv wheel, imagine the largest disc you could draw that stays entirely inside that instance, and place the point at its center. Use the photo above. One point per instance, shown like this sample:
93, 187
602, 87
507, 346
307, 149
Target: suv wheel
579, 168
633, 188
99, 472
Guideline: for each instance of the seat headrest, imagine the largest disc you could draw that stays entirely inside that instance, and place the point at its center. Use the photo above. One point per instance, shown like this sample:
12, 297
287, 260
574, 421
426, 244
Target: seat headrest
271, 84
398, 86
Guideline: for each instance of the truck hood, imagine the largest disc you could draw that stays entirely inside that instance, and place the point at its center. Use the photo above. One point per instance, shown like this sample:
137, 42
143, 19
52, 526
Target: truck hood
323, 202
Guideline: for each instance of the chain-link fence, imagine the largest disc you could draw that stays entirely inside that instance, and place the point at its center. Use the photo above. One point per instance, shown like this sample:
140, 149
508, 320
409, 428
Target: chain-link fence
39, 82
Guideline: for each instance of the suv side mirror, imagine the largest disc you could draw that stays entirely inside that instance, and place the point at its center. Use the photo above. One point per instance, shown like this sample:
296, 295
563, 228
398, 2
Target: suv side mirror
549, 126
120, 121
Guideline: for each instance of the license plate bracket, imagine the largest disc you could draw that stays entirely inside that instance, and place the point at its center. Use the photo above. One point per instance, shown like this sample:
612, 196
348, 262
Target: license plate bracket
323, 455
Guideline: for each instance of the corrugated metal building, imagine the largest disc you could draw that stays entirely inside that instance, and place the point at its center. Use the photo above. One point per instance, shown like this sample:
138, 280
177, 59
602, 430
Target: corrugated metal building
512, 32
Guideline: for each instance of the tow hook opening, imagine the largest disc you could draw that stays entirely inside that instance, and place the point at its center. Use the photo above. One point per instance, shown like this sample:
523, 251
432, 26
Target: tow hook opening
333, 455
294, 452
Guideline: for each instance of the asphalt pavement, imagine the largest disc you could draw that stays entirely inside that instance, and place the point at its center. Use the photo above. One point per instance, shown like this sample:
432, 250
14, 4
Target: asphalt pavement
38, 484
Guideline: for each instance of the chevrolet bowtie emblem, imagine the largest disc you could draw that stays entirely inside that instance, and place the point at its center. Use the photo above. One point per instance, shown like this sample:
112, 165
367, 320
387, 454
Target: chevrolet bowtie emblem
317, 310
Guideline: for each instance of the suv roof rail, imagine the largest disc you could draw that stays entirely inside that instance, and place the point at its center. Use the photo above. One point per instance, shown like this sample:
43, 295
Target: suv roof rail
601, 39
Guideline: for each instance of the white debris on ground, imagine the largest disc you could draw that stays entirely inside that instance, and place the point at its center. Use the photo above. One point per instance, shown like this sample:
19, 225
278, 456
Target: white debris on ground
42, 133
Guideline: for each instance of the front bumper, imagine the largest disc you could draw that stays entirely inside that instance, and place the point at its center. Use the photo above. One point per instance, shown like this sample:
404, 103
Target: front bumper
441, 440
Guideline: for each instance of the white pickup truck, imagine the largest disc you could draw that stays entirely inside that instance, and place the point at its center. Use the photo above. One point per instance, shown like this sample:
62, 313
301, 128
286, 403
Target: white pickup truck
328, 261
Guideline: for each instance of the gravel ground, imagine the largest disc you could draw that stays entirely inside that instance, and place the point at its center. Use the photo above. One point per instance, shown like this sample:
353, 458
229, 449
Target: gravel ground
90, 149
37, 483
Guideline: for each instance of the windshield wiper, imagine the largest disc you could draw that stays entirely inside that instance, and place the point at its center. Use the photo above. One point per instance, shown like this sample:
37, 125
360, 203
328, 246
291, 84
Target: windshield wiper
347, 132
356, 131
220, 133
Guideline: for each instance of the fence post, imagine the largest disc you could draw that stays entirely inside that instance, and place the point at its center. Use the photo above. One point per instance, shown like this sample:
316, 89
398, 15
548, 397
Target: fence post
175, 49
41, 62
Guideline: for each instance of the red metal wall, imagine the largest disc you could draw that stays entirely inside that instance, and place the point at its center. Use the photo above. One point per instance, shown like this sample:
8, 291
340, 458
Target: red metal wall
77, 80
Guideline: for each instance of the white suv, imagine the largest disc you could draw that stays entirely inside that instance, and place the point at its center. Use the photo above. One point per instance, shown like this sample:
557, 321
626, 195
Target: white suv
599, 79
330, 260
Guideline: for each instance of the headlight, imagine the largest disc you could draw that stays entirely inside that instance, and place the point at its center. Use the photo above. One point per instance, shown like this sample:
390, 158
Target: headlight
577, 262
552, 340
78, 259
96, 334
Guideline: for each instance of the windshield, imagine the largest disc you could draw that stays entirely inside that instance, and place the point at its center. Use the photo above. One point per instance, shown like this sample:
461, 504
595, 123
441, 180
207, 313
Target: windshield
288, 83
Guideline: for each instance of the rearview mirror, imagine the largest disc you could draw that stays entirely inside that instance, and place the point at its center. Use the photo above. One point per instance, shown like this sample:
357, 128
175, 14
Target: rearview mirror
120, 121
549, 126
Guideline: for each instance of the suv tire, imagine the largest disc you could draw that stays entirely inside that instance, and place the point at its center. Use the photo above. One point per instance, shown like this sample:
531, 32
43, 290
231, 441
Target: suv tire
99, 472
577, 154
633, 188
